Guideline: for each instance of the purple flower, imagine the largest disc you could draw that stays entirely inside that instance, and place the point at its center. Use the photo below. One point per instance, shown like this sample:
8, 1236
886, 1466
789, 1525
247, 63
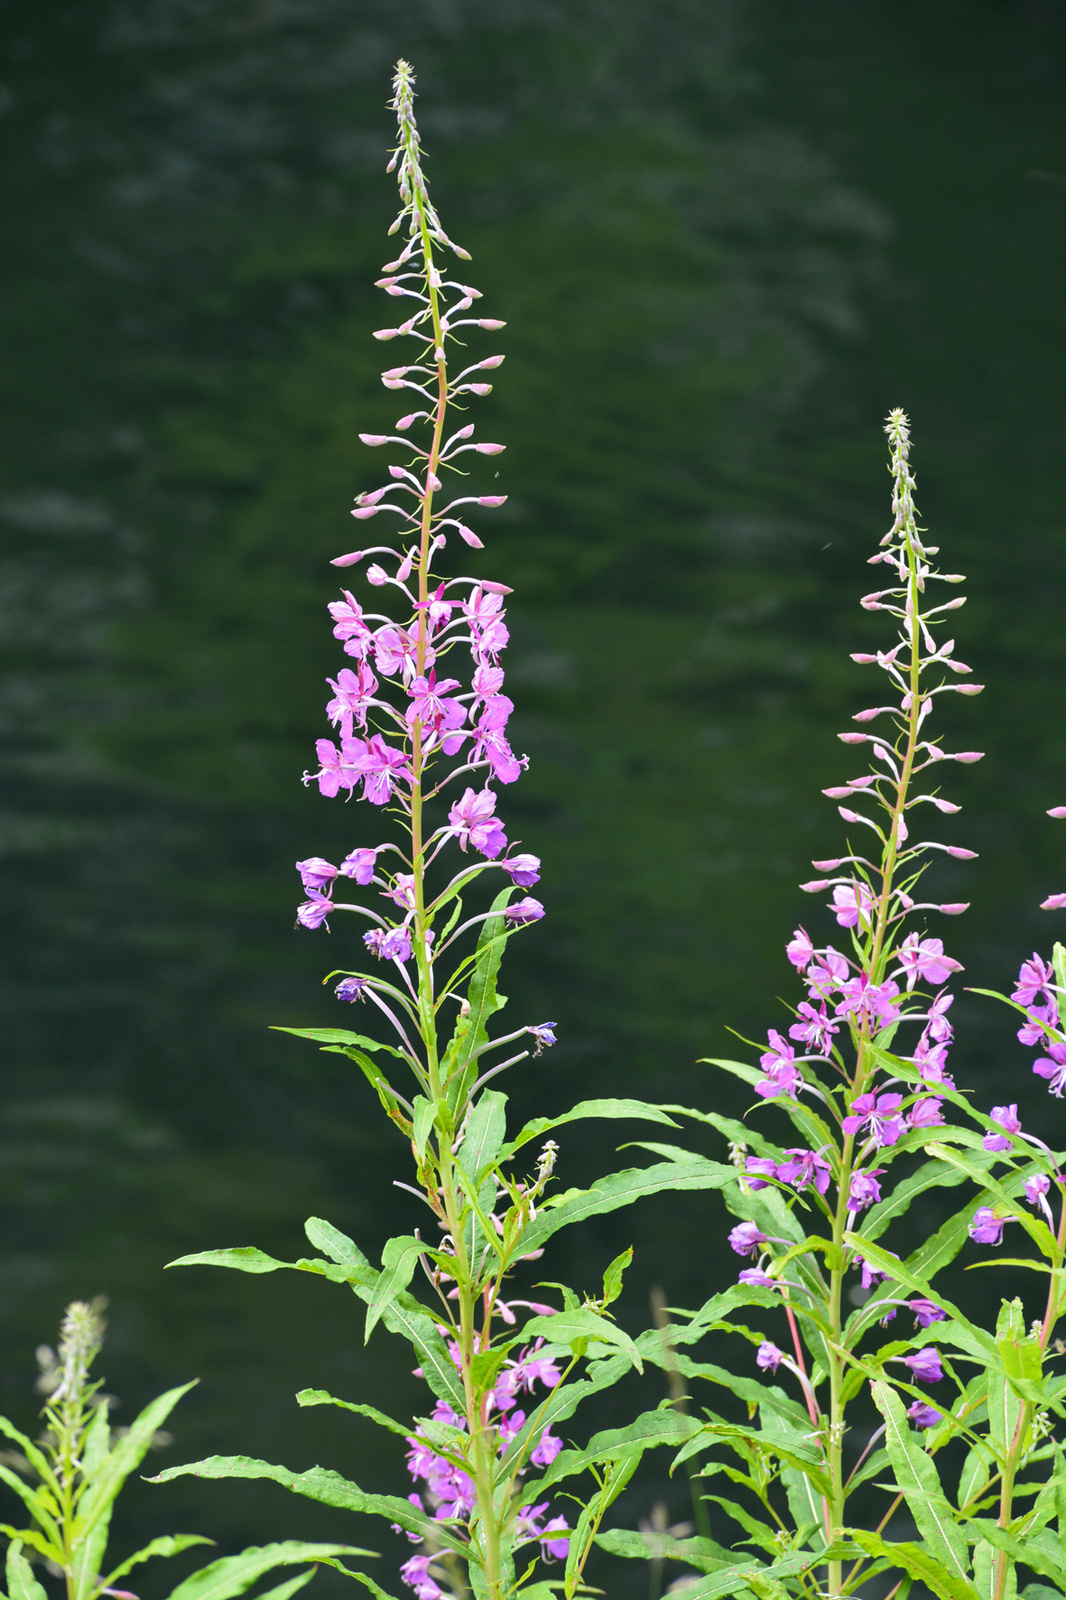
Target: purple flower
870, 1275
756, 1277
926, 1114
1036, 1188
926, 1313
1007, 1118
524, 869
1053, 1069
878, 1116
544, 1034
316, 873
866, 1002
924, 1416
800, 950
1034, 978
782, 1074
815, 1029
473, 822
768, 1356
393, 944
757, 1169
1039, 1020
864, 1189
804, 1167
986, 1227
830, 971
380, 765
415, 1573
313, 912
547, 1449
350, 988
347, 614
746, 1238
527, 910
332, 774
925, 1365
850, 902
431, 708
491, 744
360, 864
352, 694
925, 958
395, 651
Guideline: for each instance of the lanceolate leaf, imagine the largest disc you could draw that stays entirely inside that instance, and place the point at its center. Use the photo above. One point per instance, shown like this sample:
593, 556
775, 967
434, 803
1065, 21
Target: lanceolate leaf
232, 1575
399, 1260
471, 1030
621, 1189
485, 1129
341, 1036
329, 1488
21, 1584
608, 1110
167, 1545
918, 1563
568, 1327
319, 1397
703, 1554
919, 1481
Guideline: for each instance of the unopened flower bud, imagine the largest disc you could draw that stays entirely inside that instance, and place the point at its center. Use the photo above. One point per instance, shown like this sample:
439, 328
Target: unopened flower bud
362, 512
480, 388
491, 499
489, 449
969, 688
948, 807
376, 575
869, 715
1054, 902
955, 909
495, 588
815, 886
493, 324
862, 658
960, 854
374, 438
347, 561
828, 866
853, 738
1057, 811
970, 756
433, 482
490, 361
471, 538
850, 816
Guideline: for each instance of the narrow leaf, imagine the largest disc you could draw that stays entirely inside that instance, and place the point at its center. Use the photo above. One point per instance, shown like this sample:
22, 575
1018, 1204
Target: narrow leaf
232, 1575
607, 1110
919, 1481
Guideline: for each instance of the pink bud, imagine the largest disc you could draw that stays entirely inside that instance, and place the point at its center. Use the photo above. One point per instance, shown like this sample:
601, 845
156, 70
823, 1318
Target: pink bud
853, 738
1057, 811
489, 449
492, 323
386, 333
1054, 902
960, 854
868, 716
403, 571
970, 756
828, 866
955, 909
471, 538
396, 472
953, 605
396, 372
815, 886
348, 560
491, 499
362, 512
850, 816
948, 807
840, 793
405, 422
490, 361
870, 602
372, 496
862, 659
464, 433
392, 383
376, 575
969, 688
480, 388
374, 438
496, 588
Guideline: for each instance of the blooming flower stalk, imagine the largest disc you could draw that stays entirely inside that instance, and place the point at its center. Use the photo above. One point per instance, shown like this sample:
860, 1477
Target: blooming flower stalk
421, 741
861, 1075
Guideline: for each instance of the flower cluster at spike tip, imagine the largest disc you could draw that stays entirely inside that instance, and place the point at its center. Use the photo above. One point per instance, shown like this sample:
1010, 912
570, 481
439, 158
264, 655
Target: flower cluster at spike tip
888, 974
414, 729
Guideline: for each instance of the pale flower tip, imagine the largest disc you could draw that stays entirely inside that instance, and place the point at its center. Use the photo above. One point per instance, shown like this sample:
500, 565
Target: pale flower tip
1057, 811
374, 438
828, 866
862, 658
853, 738
347, 561
493, 324
955, 908
362, 512
960, 854
970, 756
815, 886
1054, 902
491, 499
868, 715
495, 588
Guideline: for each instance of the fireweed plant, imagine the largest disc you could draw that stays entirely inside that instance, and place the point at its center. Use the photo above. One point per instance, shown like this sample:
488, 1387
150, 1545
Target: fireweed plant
421, 720
69, 1479
962, 1451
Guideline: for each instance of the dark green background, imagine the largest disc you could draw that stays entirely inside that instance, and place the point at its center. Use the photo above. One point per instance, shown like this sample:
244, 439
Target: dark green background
727, 238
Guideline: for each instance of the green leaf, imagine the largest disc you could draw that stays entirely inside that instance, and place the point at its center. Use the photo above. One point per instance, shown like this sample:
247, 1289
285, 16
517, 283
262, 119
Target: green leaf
329, 1488
703, 1554
94, 1509
319, 1397
651, 1428
21, 1584
169, 1544
607, 1110
243, 1258
422, 1124
919, 1482
232, 1575
768, 1442
1030, 1553
399, 1259
341, 1036
485, 1128
32, 1499
283, 1591
917, 1563
471, 1030
621, 1189
612, 1278
901, 1272
570, 1328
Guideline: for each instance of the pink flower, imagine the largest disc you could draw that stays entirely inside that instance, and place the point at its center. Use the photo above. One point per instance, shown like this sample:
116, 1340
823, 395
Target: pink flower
852, 901
925, 958
800, 950
473, 822
877, 1116
1034, 979
313, 912
1054, 1070
1007, 1118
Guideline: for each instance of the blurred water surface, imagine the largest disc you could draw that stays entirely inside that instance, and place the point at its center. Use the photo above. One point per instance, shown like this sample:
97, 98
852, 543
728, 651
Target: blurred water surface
726, 238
